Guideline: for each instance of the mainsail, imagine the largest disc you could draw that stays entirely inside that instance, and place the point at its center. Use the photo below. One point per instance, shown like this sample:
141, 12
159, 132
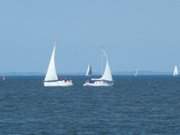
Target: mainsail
175, 72
107, 75
89, 71
51, 72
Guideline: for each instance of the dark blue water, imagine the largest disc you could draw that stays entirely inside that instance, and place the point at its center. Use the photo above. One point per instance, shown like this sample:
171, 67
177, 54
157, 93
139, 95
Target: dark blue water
148, 105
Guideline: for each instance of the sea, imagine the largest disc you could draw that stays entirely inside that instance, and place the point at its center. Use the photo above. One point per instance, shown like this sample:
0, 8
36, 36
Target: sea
142, 105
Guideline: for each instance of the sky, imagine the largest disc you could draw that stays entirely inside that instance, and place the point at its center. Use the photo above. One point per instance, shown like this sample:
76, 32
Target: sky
137, 34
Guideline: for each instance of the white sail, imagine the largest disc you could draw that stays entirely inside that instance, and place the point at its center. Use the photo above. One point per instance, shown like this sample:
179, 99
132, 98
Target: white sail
175, 72
89, 71
136, 73
51, 72
107, 75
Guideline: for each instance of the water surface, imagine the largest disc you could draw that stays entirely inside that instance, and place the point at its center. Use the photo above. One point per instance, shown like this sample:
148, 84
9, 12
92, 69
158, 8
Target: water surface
143, 105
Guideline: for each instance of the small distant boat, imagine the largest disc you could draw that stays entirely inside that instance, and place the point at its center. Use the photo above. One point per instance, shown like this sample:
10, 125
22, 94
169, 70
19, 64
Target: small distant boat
51, 78
105, 80
89, 71
175, 72
136, 73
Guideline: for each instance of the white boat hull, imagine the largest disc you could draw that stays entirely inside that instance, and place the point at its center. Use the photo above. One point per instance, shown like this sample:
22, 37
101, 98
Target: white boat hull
98, 84
63, 83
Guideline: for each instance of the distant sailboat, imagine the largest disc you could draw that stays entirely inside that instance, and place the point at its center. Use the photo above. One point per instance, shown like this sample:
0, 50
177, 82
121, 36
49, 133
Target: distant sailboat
89, 71
136, 73
51, 78
105, 80
175, 72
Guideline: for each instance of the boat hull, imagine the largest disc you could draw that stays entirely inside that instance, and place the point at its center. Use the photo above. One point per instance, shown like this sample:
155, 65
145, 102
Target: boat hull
98, 84
62, 83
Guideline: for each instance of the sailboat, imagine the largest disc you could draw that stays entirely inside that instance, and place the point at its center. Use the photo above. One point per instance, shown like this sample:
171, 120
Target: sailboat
105, 80
51, 78
89, 71
136, 73
175, 72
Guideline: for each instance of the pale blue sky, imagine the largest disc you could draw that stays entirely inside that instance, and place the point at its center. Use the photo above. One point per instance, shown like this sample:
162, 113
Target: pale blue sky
143, 34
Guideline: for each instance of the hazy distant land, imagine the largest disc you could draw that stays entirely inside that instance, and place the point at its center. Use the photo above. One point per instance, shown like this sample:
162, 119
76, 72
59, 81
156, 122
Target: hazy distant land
114, 73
